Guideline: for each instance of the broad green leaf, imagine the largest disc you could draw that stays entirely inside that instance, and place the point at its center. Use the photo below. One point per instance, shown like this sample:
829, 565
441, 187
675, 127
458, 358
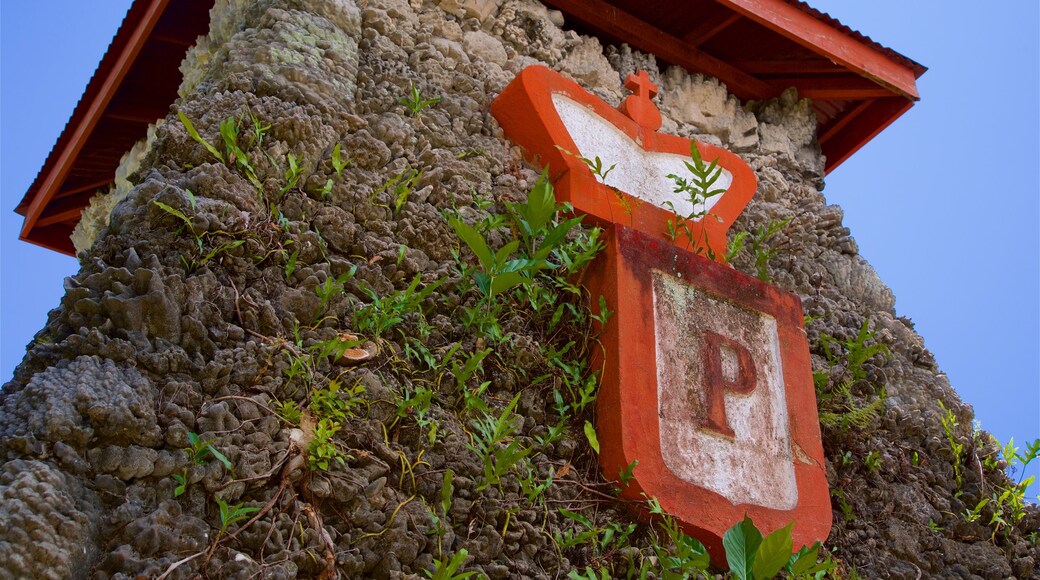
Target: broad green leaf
590, 434
483, 282
475, 242
524, 265
556, 236
741, 542
507, 281
773, 553
541, 204
337, 162
504, 252
576, 517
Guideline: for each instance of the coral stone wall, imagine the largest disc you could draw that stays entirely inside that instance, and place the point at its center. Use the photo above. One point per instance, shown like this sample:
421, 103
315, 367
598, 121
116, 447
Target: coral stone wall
157, 340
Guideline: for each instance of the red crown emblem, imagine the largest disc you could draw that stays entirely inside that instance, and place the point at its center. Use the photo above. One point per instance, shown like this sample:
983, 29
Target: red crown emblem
557, 124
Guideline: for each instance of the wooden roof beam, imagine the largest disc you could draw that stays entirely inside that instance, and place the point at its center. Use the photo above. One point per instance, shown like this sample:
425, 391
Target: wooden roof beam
800, 27
90, 188
174, 40
862, 128
64, 210
833, 88
708, 28
836, 125
53, 237
788, 67
136, 113
621, 24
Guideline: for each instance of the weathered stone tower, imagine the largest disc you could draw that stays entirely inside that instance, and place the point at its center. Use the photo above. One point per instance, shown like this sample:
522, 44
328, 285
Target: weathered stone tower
279, 361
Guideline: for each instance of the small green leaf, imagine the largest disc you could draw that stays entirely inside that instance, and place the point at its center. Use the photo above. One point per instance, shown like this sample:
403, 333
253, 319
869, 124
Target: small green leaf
290, 264
475, 242
174, 212
805, 559
576, 517
338, 163
590, 434
446, 491
556, 236
182, 483
220, 457
220, 249
198, 138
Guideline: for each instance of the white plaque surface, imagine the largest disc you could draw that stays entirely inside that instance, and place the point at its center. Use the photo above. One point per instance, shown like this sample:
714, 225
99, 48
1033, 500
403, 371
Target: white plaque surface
721, 396
637, 172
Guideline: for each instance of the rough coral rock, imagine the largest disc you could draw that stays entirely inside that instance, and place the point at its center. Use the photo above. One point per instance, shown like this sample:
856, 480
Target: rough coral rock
208, 329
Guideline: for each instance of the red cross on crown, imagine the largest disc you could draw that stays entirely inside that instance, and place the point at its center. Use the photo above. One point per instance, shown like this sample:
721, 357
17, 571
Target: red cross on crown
639, 106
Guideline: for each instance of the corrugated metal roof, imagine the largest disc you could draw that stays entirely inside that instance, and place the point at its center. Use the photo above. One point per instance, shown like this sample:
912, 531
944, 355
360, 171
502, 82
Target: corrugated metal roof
918, 68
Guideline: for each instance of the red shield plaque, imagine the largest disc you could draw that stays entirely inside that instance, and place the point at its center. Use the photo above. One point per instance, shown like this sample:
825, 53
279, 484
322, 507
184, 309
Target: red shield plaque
707, 383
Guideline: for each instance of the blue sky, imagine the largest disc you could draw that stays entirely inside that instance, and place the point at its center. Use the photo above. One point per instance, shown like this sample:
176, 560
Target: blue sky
945, 203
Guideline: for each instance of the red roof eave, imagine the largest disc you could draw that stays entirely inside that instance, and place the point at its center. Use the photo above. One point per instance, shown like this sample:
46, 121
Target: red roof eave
812, 32
858, 86
139, 22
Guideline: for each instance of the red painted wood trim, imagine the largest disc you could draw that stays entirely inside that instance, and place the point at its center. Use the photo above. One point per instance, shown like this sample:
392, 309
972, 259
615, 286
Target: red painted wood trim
825, 134
67, 208
792, 23
58, 171
864, 127
646, 37
58, 217
788, 67
65, 193
54, 237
